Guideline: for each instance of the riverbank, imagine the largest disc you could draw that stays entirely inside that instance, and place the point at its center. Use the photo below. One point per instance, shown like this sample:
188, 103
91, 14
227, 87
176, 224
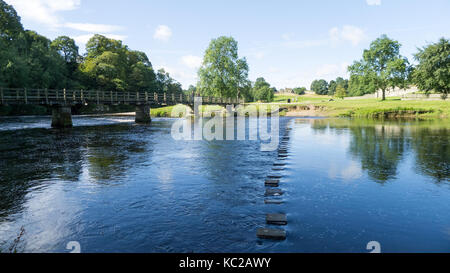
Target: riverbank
374, 108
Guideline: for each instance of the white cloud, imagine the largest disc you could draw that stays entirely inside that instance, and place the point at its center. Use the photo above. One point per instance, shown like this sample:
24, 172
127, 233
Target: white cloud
373, 2
192, 61
43, 11
96, 28
46, 12
349, 33
83, 39
162, 33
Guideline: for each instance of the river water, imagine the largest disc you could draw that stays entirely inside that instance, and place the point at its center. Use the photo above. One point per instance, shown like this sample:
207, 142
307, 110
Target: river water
114, 186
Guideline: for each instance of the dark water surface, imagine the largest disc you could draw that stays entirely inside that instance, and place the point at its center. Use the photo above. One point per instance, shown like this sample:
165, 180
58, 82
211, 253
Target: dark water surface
114, 186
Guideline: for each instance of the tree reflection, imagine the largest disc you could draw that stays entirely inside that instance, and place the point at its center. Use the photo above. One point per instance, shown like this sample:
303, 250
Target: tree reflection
380, 145
379, 148
432, 150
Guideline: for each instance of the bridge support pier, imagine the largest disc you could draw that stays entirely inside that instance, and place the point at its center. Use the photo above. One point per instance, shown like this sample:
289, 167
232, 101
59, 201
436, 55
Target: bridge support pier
143, 114
61, 117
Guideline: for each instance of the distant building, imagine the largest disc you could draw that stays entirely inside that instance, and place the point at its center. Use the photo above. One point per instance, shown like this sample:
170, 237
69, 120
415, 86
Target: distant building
286, 91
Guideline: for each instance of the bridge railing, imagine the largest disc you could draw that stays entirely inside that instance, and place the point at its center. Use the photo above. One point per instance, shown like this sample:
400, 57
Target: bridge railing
71, 97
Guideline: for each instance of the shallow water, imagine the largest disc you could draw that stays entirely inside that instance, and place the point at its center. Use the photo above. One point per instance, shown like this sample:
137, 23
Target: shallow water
114, 186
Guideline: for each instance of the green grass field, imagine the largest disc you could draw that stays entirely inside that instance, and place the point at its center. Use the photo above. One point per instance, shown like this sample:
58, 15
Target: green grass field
392, 107
372, 108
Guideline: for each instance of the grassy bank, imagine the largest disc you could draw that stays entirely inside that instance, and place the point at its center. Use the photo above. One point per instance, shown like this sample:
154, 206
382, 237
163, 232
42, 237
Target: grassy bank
392, 107
367, 108
167, 111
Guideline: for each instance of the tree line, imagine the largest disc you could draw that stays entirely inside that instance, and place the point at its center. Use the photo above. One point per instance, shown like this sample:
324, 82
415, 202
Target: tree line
30, 60
382, 67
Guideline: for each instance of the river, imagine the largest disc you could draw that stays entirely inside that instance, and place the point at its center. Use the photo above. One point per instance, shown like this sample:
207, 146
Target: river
114, 186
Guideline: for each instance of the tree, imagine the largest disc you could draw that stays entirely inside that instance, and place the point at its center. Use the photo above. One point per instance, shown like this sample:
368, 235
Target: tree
332, 88
223, 73
262, 90
47, 68
30, 60
300, 90
167, 84
141, 76
67, 48
433, 70
383, 65
320, 87
13, 67
340, 92
10, 25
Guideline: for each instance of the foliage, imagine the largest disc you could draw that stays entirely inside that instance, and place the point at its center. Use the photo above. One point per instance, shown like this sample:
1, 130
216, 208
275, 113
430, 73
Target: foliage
382, 65
262, 91
335, 83
391, 107
433, 71
30, 60
223, 73
320, 87
340, 92
300, 90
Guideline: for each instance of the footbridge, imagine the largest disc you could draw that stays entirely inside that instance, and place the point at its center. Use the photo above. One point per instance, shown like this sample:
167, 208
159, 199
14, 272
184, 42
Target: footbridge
63, 100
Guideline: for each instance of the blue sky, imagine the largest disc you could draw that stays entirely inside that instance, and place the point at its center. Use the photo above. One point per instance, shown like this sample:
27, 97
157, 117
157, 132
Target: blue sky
289, 43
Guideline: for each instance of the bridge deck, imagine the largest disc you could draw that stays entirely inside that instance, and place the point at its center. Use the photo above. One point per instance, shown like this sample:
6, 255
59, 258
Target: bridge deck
74, 97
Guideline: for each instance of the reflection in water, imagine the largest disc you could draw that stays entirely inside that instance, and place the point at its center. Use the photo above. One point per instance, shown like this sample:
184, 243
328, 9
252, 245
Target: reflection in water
432, 149
379, 148
380, 145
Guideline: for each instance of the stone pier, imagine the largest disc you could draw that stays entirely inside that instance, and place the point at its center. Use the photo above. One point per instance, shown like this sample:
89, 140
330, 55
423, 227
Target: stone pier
61, 117
143, 114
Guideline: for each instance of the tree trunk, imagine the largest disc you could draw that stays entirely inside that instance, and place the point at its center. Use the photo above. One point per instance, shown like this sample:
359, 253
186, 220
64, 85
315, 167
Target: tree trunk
384, 94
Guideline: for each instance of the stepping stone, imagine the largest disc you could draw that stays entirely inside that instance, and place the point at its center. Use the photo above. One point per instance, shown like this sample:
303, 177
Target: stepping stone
273, 202
272, 183
281, 155
274, 176
276, 219
282, 150
279, 164
273, 234
278, 169
274, 192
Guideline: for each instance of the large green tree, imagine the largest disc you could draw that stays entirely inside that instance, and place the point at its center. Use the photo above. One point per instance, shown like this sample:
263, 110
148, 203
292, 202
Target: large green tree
433, 70
320, 87
262, 90
68, 50
13, 68
223, 73
383, 65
